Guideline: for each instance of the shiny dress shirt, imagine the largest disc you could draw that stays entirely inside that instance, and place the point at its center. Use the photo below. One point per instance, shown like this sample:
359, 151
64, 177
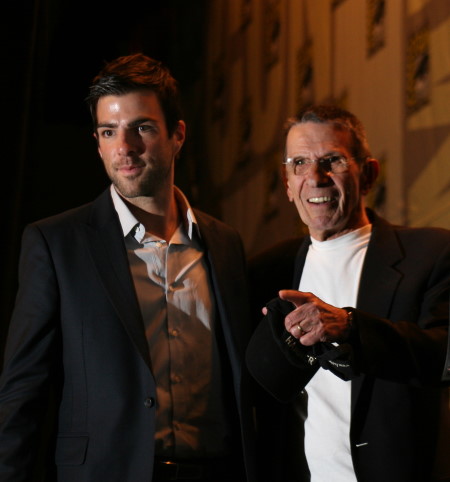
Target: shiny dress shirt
177, 304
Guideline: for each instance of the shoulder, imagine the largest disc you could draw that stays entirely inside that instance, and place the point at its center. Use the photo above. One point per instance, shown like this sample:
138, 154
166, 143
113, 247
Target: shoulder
210, 224
58, 230
97, 210
428, 235
415, 237
67, 224
72, 215
410, 239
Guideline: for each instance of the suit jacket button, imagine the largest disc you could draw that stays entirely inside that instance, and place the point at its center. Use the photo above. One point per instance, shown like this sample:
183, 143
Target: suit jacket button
149, 402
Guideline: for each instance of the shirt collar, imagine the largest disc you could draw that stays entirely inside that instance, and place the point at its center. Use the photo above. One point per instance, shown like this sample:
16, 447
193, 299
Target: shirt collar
129, 223
353, 236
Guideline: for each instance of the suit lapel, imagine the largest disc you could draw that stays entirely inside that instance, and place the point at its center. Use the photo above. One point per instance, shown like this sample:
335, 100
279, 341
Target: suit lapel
106, 245
379, 282
300, 261
223, 260
379, 277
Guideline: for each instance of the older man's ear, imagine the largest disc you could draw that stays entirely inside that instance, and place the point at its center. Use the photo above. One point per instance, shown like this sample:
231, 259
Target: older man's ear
369, 174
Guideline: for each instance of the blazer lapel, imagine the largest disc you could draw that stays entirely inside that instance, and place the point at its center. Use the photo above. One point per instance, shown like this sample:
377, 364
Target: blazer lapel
379, 282
300, 261
224, 267
106, 245
379, 277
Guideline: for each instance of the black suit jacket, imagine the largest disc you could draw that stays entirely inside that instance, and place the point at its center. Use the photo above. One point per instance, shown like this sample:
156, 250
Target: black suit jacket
77, 345
398, 349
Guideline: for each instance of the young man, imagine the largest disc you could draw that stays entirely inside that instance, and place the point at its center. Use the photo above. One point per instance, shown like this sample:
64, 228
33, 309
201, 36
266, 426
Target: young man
358, 346
131, 314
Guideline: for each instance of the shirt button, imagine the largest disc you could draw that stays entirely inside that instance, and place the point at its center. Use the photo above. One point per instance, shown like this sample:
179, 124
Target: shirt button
149, 402
174, 332
173, 286
175, 379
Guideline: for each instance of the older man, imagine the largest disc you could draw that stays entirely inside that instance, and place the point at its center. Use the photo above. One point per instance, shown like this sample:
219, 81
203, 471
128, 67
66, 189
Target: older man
358, 347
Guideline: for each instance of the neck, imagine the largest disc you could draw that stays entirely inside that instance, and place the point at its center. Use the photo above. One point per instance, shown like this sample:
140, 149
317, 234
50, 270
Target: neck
358, 220
159, 216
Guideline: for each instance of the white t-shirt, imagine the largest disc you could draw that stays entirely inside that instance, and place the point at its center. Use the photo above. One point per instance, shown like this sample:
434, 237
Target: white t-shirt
332, 272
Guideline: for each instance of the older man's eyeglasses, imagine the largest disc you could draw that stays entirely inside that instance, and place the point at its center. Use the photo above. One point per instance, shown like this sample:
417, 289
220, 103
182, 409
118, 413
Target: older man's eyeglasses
335, 164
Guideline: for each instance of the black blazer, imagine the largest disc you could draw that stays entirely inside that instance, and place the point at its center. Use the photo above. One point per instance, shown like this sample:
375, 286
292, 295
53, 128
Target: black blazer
77, 338
446, 375
399, 408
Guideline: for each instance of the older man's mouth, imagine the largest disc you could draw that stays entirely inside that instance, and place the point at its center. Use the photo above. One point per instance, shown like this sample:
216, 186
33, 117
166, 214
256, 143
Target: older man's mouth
320, 199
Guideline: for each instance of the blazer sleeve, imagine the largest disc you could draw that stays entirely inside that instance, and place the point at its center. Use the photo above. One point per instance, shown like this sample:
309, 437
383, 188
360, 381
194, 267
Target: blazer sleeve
446, 374
30, 352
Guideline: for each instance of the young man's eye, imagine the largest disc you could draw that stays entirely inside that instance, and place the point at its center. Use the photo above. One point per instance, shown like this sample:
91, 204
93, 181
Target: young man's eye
107, 133
145, 128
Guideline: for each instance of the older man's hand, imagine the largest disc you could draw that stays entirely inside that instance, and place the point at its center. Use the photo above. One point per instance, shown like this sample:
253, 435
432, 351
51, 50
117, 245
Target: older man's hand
313, 320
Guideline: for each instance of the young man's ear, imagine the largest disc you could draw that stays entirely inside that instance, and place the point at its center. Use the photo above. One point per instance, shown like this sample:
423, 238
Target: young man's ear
370, 171
95, 136
179, 136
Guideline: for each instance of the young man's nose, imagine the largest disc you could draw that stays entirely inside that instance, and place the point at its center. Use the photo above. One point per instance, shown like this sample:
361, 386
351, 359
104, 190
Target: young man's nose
128, 141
